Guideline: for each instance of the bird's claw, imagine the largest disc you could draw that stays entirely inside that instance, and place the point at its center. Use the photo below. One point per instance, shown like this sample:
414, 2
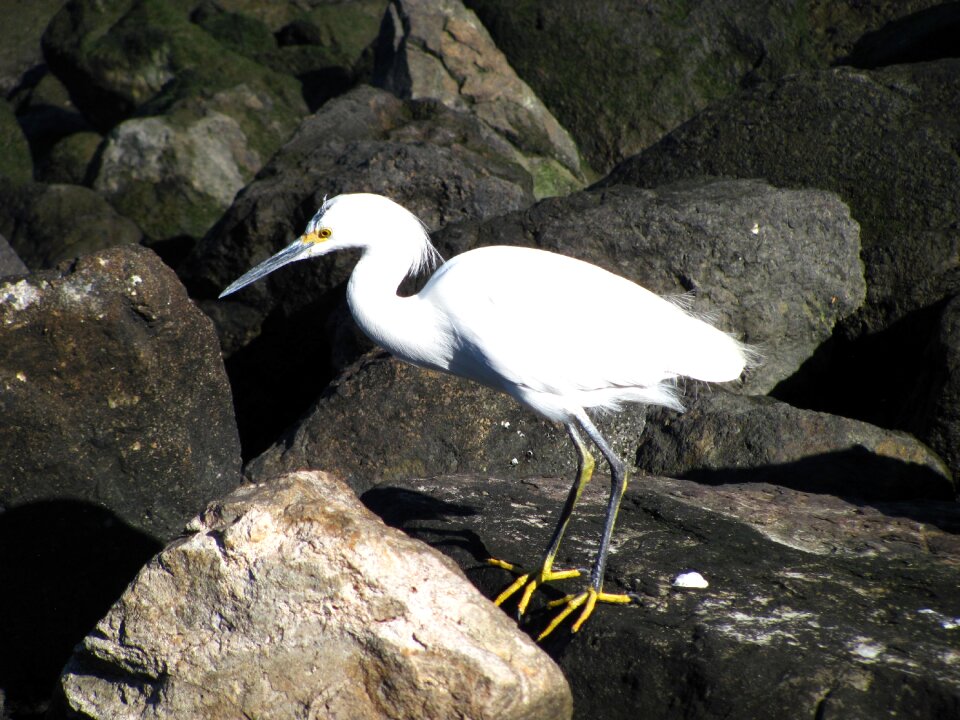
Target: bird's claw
529, 581
588, 599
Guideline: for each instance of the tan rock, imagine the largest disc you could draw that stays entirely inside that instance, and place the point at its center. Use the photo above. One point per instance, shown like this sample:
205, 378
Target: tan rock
291, 600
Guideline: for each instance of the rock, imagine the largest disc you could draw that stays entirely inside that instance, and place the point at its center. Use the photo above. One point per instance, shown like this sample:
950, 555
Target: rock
880, 139
929, 34
935, 410
724, 438
175, 179
385, 421
15, 162
619, 75
71, 160
10, 262
441, 51
21, 24
46, 113
778, 268
327, 47
289, 599
122, 56
816, 607
443, 165
113, 392
47, 224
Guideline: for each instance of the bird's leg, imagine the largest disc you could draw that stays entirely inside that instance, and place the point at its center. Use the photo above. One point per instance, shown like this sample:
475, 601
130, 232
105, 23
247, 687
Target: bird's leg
594, 594
546, 573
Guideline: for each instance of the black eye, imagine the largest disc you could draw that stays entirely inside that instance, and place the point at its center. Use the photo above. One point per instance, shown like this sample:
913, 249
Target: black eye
324, 233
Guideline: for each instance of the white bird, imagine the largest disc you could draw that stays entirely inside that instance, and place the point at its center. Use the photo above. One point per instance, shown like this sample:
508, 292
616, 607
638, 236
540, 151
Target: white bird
516, 319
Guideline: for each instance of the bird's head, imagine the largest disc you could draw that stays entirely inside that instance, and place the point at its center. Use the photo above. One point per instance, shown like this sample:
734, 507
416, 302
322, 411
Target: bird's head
360, 220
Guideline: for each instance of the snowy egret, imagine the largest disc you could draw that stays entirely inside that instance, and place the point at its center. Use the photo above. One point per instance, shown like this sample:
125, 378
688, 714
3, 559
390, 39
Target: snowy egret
515, 319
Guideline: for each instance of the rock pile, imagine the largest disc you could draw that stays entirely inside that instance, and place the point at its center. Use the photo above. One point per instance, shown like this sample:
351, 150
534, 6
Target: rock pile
794, 169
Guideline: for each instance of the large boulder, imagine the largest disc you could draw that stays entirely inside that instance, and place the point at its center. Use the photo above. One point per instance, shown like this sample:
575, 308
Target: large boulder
440, 50
620, 75
881, 139
291, 600
114, 392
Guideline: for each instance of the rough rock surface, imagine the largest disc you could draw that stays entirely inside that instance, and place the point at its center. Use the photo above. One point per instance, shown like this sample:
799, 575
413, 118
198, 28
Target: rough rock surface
816, 607
884, 140
15, 162
620, 74
10, 262
113, 392
384, 421
48, 224
439, 50
724, 438
330, 614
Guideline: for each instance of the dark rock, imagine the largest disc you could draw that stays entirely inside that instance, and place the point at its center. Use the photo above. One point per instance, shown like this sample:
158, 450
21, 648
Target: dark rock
443, 165
15, 162
384, 421
883, 140
10, 262
46, 113
47, 224
816, 607
930, 34
71, 160
22, 22
114, 392
290, 599
619, 75
439, 50
724, 438
778, 268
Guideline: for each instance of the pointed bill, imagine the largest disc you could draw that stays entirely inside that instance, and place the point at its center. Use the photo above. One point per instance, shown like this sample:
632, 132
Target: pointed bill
295, 251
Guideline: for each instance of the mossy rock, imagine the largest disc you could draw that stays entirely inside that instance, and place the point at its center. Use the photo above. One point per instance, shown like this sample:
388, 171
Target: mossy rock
15, 161
70, 160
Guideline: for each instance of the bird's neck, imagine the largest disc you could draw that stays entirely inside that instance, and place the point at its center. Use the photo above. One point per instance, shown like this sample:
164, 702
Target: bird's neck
401, 325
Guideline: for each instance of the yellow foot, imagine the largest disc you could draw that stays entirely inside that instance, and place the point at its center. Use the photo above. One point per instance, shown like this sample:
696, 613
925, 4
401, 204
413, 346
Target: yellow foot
588, 599
529, 581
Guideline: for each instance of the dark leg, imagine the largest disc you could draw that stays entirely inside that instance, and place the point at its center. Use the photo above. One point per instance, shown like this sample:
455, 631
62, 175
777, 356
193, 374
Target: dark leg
530, 581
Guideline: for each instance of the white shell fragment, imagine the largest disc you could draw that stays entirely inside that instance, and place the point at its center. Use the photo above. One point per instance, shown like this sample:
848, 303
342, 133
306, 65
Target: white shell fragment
690, 580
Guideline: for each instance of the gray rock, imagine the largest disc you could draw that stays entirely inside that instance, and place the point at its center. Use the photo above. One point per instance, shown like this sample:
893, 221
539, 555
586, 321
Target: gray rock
441, 51
620, 74
113, 392
816, 607
724, 438
175, 177
881, 139
48, 224
10, 262
778, 268
290, 600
